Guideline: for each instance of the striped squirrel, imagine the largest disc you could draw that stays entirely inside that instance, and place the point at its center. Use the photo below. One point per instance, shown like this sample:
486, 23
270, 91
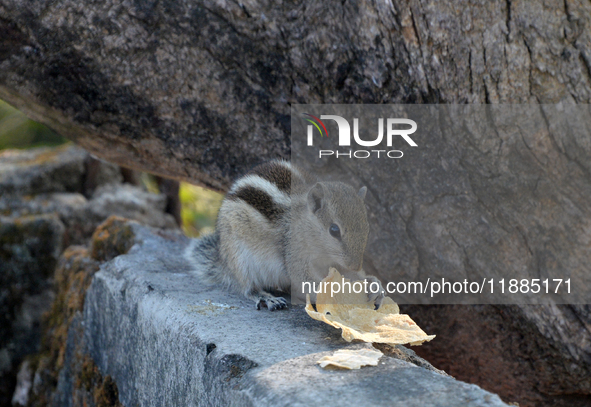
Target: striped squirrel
256, 247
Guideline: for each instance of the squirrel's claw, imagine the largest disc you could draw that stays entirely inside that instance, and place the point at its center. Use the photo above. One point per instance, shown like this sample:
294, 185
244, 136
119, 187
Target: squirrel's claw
378, 296
272, 304
276, 303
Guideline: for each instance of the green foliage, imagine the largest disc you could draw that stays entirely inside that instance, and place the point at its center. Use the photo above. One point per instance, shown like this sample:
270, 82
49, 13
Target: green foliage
148, 181
199, 209
199, 206
17, 131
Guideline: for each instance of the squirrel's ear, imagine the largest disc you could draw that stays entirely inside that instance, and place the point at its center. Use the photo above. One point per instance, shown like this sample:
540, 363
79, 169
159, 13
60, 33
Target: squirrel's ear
362, 192
316, 197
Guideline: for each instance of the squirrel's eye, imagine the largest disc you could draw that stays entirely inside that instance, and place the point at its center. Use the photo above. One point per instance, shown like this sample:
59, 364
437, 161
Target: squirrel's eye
335, 231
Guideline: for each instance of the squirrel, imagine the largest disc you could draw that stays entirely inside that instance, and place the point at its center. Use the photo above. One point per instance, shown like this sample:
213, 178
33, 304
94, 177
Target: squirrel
278, 226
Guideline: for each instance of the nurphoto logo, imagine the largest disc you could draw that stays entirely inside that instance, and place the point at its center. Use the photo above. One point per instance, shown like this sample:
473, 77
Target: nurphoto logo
344, 135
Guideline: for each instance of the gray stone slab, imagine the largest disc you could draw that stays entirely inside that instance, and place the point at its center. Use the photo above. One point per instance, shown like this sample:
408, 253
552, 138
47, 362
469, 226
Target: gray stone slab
169, 340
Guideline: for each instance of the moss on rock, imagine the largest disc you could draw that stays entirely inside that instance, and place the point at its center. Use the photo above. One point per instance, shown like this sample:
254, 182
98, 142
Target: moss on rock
95, 389
112, 238
73, 276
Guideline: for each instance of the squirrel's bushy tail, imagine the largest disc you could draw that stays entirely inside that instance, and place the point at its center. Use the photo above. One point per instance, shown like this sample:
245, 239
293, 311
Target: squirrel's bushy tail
204, 257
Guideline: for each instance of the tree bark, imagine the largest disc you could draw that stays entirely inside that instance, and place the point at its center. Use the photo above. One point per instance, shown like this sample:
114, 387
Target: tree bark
200, 91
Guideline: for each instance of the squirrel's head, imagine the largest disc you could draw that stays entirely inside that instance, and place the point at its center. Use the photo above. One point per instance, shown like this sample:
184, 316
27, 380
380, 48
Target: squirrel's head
341, 222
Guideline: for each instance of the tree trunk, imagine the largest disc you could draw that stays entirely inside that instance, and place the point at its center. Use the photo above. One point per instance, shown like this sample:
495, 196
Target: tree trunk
200, 91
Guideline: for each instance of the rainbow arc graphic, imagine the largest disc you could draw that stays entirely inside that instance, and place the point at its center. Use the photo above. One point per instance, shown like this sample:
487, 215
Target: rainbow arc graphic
315, 121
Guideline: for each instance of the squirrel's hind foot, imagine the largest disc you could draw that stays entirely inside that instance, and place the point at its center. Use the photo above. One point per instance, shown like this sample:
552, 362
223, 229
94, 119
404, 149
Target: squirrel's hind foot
263, 298
272, 303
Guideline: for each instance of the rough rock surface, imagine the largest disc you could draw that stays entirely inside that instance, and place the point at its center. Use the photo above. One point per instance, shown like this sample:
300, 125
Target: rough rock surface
63, 337
40, 170
43, 209
164, 338
503, 357
52, 181
29, 249
201, 90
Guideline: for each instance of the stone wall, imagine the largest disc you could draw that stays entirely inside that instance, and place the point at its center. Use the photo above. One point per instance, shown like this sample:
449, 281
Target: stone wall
149, 333
46, 205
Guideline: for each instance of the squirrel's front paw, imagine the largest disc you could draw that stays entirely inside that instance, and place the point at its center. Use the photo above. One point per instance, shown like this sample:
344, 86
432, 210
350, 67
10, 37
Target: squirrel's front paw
375, 296
272, 303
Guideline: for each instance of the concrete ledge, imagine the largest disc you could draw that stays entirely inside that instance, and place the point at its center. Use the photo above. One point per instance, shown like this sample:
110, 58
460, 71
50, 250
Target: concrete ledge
168, 340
